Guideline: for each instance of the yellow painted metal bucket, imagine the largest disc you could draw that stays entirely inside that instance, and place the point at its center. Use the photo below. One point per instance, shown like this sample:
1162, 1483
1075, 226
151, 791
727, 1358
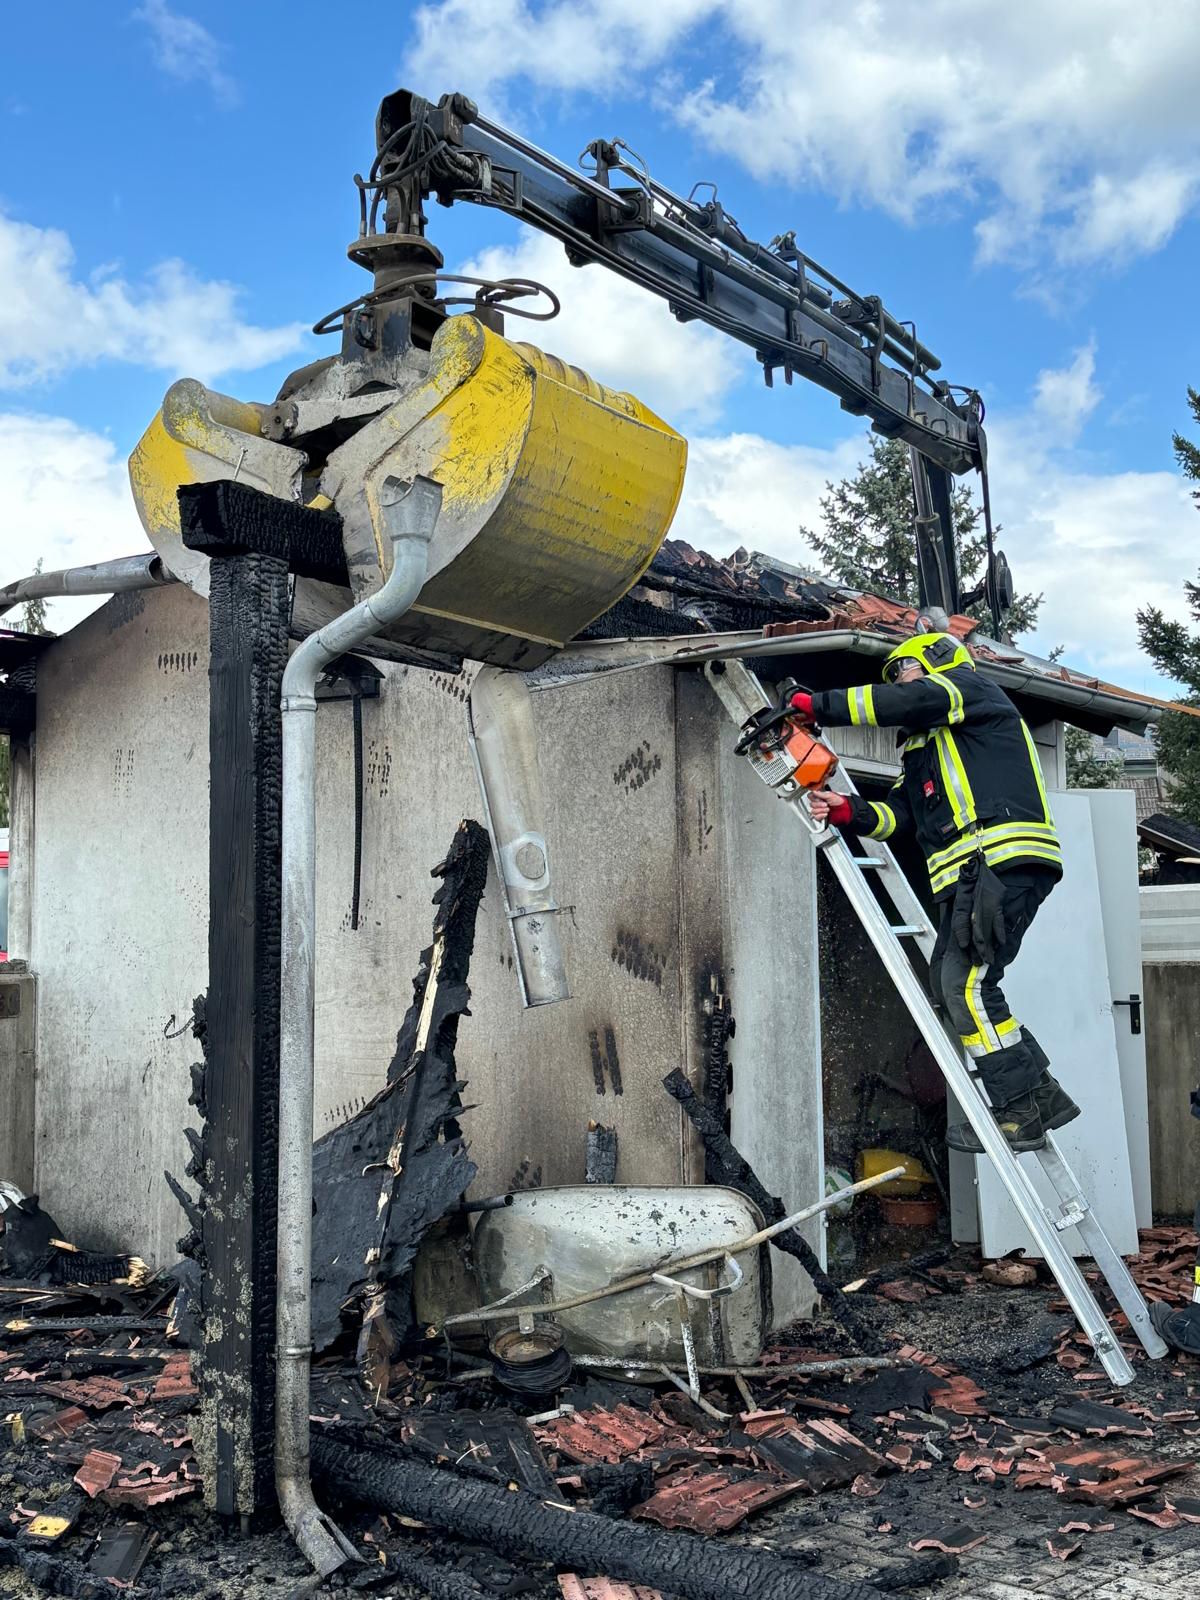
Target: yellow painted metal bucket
556, 491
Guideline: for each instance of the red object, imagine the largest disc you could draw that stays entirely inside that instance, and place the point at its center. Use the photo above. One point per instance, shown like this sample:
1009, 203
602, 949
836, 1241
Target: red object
841, 811
802, 703
99, 1469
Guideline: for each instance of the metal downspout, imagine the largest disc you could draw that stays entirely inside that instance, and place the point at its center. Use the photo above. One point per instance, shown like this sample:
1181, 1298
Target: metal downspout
410, 512
503, 741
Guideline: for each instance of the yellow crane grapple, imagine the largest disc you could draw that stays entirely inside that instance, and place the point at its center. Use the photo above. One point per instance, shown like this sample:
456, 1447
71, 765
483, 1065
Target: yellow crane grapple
556, 491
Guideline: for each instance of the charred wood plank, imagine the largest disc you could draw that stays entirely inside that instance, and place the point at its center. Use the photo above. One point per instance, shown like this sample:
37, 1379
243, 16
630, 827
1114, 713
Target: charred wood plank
725, 1164
365, 1236
519, 1524
248, 634
227, 518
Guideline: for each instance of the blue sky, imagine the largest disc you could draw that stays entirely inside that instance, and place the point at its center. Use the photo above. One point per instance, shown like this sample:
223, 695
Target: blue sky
176, 199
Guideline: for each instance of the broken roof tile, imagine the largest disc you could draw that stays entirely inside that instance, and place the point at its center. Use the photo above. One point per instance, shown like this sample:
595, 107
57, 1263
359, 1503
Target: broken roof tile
576, 1588
952, 1540
1063, 1548
59, 1425
712, 1501
150, 1494
99, 1469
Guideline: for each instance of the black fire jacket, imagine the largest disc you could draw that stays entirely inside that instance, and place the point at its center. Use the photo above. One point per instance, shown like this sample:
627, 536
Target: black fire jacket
970, 777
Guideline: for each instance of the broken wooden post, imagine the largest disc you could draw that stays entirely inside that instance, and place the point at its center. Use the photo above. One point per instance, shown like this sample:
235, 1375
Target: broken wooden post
252, 540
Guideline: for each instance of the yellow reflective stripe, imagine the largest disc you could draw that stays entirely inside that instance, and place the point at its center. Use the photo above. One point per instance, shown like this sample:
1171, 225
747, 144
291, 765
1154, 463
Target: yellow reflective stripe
886, 824
954, 777
1026, 852
942, 877
951, 744
997, 833
1009, 1025
1037, 772
973, 994
860, 703
915, 742
956, 712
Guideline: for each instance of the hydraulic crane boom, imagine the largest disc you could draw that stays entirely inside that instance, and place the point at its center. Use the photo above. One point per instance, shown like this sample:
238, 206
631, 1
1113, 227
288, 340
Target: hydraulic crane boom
796, 316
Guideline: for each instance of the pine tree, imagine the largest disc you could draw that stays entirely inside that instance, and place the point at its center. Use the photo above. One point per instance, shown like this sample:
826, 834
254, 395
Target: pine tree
1086, 769
1175, 651
869, 541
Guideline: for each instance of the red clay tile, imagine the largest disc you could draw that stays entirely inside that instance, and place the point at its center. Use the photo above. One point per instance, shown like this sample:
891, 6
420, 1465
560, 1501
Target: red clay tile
705, 1501
574, 1588
99, 1469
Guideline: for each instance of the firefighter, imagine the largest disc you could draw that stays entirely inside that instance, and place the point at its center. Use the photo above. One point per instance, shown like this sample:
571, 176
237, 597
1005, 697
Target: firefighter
971, 790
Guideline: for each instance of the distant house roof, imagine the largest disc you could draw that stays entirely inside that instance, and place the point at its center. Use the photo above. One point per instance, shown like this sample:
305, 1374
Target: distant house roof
1169, 836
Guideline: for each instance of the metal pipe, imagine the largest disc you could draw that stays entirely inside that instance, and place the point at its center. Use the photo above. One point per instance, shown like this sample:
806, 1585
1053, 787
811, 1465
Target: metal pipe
102, 577
504, 744
410, 512
782, 1369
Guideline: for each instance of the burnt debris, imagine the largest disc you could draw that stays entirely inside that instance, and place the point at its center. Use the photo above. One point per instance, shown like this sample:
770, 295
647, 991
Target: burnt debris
381, 1180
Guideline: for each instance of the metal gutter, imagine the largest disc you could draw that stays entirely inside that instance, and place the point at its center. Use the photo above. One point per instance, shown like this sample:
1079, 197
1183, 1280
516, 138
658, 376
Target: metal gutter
626, 655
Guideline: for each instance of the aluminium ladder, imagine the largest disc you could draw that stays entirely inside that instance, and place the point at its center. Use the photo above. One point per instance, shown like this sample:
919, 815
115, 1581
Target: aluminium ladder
743, 697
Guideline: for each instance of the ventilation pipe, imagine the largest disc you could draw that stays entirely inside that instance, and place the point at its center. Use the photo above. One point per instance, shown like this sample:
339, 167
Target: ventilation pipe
103, 577
410, 512
503, 742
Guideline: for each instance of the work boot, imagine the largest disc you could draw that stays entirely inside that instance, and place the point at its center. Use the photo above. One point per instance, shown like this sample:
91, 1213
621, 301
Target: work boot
1019, 1121
1054, 1103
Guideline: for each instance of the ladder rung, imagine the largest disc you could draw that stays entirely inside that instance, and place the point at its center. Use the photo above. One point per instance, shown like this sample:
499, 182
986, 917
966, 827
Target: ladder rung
903, 928
869, 861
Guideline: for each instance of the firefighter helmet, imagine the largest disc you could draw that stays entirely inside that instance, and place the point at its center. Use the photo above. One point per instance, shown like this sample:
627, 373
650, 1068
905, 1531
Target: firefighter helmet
936, 652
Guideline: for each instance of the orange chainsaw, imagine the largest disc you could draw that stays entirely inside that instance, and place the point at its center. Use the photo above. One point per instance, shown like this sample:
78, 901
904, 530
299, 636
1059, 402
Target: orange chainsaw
784, 750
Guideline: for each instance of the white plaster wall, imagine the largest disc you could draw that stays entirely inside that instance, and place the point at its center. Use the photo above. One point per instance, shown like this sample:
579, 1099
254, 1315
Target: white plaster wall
120, 913
656, 893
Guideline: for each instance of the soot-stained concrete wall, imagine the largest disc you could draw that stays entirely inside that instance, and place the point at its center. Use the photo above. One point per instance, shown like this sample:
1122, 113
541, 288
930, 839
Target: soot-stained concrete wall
120, 913
670, 862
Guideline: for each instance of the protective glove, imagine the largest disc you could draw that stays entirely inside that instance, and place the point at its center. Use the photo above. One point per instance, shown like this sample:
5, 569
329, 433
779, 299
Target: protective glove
964, 901
989, 931
802, 702
837, 808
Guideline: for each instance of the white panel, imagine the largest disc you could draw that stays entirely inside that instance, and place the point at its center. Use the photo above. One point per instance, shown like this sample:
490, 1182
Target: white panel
1059, 986
771, 946
1170, 918
1114, 834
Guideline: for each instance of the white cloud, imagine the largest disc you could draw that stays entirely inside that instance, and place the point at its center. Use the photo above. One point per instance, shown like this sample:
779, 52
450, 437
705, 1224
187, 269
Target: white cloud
619, 334
479, 46
69, 504
1068, 131
1098, 544
184, 49
742, 489
1065, 397
51, 319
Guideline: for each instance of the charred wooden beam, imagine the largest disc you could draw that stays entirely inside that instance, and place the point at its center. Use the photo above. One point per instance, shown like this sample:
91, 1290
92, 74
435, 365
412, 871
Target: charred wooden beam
725, 1164
519, 1524
226, 518
238, 1090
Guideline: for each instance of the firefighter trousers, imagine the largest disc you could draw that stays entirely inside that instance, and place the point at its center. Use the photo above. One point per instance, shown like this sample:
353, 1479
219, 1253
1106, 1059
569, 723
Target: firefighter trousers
1004, 1052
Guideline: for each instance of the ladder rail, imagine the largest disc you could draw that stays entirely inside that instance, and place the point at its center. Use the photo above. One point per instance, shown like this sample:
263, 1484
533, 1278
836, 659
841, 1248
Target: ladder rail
742, 696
